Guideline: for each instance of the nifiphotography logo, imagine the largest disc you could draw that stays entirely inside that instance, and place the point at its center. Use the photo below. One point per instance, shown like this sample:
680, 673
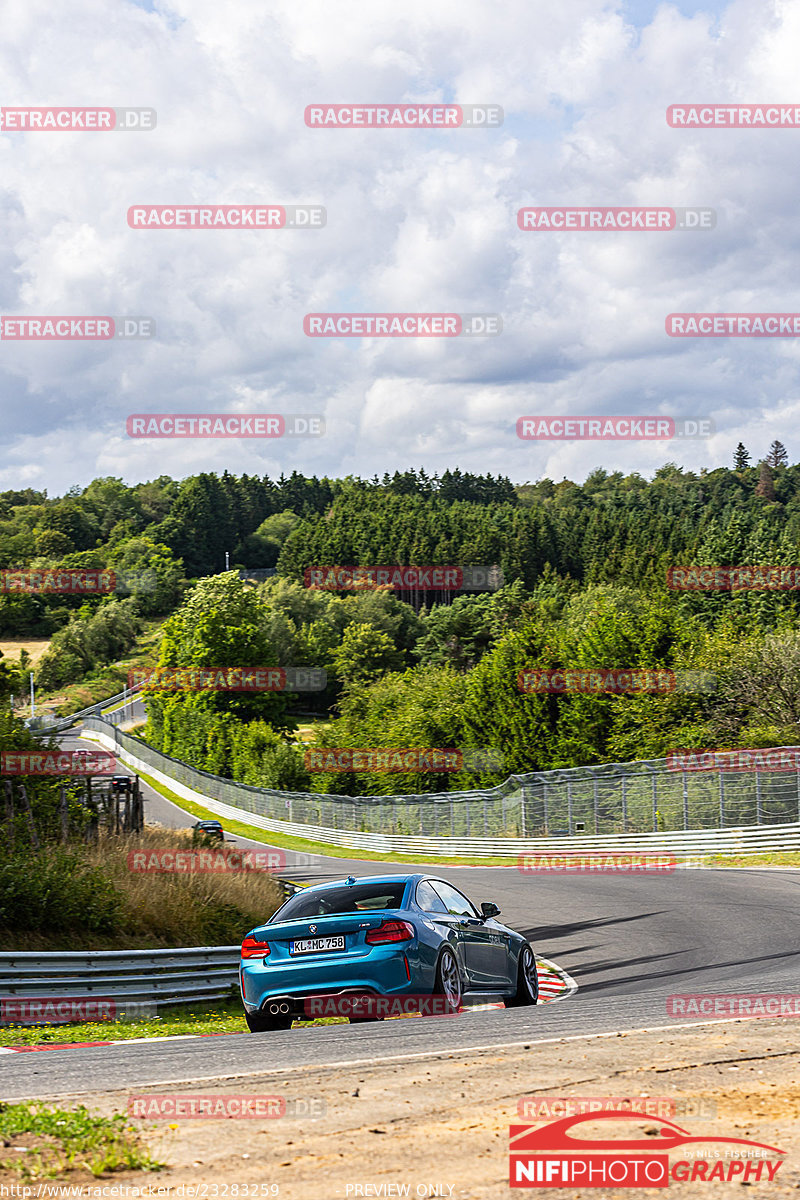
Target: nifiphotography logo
555, 1155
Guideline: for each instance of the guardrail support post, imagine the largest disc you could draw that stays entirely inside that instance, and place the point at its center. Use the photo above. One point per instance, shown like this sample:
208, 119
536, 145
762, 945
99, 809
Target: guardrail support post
685, 800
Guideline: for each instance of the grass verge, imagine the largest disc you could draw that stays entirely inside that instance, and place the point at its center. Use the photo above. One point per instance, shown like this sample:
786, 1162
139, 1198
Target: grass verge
51, 1143
224, 1016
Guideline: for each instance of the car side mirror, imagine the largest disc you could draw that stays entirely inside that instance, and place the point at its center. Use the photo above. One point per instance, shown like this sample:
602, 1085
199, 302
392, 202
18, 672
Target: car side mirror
489, 910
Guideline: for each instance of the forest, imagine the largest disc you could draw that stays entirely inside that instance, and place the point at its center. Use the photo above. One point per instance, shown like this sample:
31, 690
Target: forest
583, 572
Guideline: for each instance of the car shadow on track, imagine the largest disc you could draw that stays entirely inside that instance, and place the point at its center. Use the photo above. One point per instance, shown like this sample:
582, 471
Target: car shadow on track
620, 979
539, 934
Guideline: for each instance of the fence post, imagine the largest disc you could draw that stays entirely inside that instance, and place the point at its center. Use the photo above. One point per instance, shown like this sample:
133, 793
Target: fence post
758, 796
544, 801
721, 801
655, 803
569, 805
452, 821
26, 804
63, 811
624, 803
596, 808
685, 800
9, 808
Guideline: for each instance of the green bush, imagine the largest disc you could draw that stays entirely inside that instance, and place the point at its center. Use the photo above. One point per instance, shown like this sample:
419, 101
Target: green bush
56, 890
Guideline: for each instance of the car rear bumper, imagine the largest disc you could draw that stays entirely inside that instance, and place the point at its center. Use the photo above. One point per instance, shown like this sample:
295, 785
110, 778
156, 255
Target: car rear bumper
387, 972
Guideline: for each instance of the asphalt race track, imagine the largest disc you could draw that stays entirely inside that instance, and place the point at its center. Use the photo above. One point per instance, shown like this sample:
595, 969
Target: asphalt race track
628, 942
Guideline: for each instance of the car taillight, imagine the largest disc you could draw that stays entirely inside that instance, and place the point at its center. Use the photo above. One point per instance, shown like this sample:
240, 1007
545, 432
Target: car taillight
390, 931
253, 949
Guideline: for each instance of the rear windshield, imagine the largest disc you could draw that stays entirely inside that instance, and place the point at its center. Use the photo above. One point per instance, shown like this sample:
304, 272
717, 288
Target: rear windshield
358, 897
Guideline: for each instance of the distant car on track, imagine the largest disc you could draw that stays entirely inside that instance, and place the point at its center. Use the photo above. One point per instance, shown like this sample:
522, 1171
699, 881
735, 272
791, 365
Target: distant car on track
208, 831
390, 935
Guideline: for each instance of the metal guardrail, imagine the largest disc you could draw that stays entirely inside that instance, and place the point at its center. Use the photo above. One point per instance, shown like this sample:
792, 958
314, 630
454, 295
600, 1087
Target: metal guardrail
61, 724
740, 839
138, 981
616, 800
140, 978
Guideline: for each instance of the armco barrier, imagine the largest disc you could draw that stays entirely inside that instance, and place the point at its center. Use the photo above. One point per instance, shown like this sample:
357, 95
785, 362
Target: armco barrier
135, 979
206, 790
61, 724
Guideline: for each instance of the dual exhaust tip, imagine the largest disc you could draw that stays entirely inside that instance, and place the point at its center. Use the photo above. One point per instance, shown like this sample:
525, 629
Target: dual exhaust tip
276, 1008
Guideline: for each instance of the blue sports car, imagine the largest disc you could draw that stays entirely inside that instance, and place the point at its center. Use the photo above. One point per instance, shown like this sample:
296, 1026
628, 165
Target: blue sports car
381, 936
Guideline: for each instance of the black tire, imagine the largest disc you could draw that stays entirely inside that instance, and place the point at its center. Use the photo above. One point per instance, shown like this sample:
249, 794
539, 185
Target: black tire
448, 980
262, 1022
527, 980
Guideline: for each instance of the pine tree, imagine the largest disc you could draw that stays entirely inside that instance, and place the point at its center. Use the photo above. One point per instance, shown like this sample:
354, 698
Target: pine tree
741, 458
777, 456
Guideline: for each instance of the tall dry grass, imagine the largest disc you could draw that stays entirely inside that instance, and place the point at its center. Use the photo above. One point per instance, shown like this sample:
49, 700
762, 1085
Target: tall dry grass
156, 910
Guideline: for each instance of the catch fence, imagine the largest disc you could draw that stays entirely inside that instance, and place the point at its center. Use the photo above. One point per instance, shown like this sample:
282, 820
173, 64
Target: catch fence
615, 799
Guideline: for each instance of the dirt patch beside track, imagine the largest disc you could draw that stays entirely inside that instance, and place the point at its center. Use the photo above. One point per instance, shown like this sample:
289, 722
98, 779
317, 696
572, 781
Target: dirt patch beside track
442, 1121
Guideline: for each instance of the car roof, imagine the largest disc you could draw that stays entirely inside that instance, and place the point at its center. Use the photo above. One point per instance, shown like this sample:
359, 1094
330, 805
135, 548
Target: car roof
404, 879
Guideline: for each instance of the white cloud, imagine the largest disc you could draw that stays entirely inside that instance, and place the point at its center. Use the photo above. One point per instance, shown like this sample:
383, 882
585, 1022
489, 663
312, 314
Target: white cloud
417, 221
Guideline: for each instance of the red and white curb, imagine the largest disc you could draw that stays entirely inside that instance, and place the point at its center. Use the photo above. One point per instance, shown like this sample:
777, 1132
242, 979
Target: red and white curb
554, 982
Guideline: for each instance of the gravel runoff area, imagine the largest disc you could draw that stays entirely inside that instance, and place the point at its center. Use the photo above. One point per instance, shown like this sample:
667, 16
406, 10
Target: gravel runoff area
438, 1124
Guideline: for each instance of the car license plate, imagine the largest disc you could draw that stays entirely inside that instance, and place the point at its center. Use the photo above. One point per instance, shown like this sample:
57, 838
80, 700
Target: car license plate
315, 945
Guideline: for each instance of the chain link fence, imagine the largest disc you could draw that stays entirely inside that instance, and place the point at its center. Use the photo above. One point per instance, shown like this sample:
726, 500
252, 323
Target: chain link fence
616, 798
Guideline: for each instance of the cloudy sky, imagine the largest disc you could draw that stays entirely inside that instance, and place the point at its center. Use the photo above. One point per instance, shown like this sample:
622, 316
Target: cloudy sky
417, 221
